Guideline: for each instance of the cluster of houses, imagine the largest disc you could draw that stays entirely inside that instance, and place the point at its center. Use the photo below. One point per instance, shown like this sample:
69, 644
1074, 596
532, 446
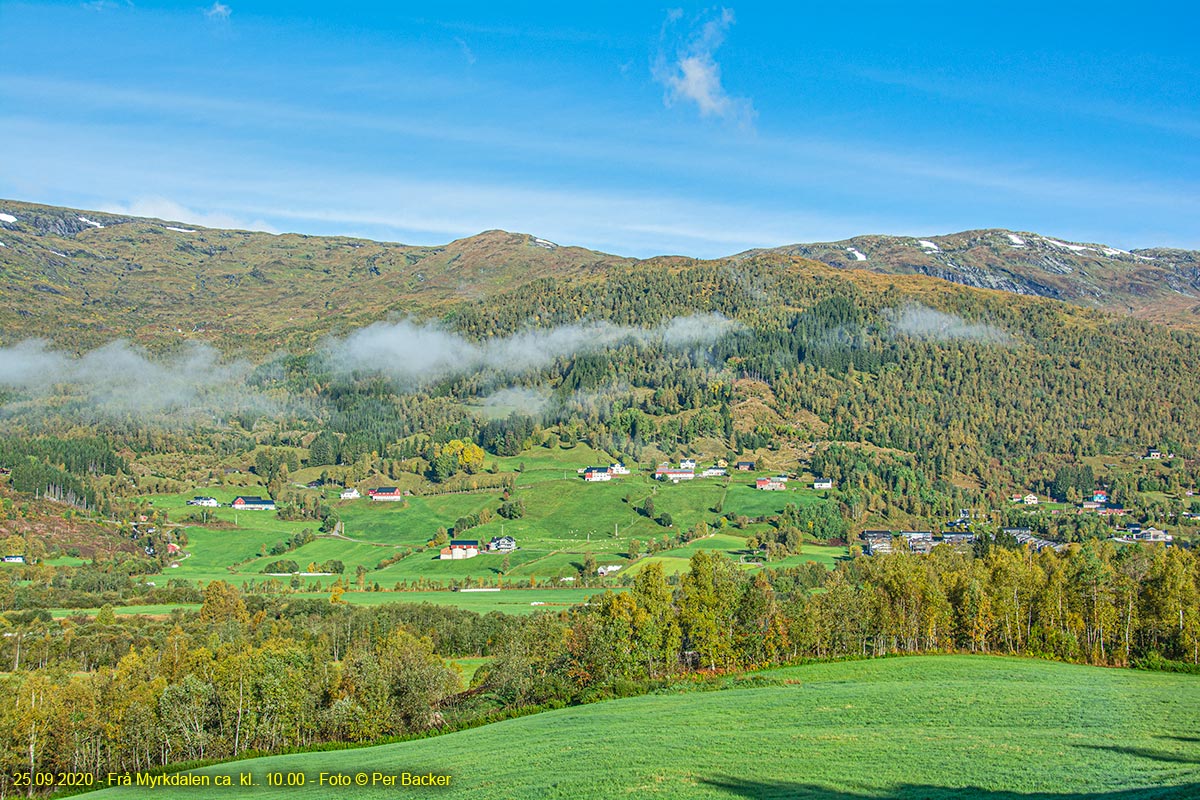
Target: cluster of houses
1135, 534
469, 548
594, 474
686, 471
240, 503
1025, 537
877, 542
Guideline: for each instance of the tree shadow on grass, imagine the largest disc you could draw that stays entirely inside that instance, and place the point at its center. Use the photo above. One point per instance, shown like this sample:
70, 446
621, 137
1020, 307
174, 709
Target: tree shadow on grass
785, 790
1145, 752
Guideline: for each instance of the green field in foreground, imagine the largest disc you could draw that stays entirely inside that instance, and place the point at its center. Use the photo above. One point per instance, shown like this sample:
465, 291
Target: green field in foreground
926, 727
508, 601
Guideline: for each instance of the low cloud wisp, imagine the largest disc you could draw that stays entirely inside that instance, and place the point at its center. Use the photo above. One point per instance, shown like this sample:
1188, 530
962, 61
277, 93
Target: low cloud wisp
415, 353
922, 322
119, 380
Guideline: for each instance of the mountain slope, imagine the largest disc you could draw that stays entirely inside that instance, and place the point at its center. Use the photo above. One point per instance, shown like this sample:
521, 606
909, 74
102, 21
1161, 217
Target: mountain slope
88, 277
1158, 284
82, 278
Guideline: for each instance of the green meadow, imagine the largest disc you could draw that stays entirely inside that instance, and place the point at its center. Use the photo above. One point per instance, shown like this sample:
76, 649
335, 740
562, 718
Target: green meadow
565, 520
918, 728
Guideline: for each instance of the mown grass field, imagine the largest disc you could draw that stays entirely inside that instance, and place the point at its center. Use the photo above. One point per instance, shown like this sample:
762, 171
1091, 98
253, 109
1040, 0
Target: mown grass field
565, 520
929, 728
518, 602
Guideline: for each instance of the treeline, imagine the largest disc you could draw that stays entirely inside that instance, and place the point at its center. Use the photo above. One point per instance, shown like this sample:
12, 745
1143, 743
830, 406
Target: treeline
1094, 604
228, 680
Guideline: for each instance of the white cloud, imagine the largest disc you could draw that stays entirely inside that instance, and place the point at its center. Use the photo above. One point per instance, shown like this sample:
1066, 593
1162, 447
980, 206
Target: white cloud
414, 353
693, 75
922, 322
218, 11
170, 211
466, 50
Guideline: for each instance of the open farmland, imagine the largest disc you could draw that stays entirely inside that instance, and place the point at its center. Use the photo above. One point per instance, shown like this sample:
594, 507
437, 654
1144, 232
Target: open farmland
922, 727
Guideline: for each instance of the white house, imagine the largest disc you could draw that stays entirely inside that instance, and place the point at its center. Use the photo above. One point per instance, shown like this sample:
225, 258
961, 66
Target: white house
618, 469
1030, 499
593, 474
350, 494
608, 570
823, 483
687, 463
210, 502
714, 472
386, 494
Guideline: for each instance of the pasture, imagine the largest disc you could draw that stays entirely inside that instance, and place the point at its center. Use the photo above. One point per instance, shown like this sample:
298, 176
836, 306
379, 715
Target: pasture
928, 728
565, 520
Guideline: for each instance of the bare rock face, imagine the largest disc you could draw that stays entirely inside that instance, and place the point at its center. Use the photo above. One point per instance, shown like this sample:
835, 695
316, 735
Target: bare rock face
1158, 283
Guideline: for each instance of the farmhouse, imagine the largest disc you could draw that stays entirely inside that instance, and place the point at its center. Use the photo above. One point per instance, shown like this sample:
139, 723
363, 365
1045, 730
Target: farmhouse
877, 542
618, 469
210, 502
1152, 455
459, 549
350, 494
502, 544
252, 504
770, 484
608, 570
1099, 496
745, 466
665, 473
1030, 499
714, 472
592, 474
386, 494
687, 463
823, 483
14, 559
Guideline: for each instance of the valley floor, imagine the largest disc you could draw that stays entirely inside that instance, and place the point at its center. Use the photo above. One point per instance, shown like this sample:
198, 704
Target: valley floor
936, 727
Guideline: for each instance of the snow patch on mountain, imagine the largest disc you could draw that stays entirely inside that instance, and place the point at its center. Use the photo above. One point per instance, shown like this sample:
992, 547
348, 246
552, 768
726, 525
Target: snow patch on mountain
857, 255
7, 218
1074, 248
928, 245
180, 230
87, 221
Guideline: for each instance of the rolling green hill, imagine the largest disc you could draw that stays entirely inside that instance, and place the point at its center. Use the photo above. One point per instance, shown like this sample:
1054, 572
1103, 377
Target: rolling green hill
913, 728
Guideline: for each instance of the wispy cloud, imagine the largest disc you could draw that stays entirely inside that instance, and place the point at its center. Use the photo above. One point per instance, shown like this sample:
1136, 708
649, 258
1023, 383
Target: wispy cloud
119, 380
468, 54
415, 353
169, 210
218, 11
922, 322
687, 66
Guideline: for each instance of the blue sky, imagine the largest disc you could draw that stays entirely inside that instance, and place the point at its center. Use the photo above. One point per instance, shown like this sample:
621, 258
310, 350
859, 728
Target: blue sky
631, 128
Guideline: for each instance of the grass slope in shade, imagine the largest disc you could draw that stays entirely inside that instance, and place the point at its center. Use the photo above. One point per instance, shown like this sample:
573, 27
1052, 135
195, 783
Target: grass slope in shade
925, 727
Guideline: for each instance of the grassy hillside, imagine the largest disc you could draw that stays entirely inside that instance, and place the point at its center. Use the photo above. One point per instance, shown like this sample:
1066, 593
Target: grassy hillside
85, 278
928, 727
157, 282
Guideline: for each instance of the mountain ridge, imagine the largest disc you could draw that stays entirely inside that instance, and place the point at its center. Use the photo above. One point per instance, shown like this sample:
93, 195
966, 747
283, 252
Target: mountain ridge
95, 275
